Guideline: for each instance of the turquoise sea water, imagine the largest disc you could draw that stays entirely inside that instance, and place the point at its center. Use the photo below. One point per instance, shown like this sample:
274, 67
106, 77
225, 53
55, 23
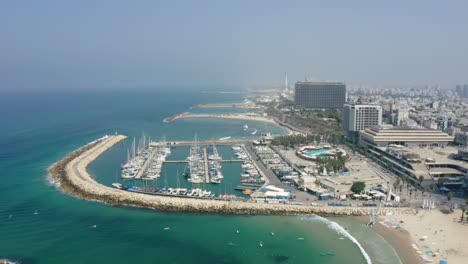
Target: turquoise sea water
39, 129
316, 152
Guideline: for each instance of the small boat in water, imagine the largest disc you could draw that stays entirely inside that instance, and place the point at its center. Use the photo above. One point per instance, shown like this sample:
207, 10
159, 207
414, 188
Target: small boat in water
118, 186
254, 132
261, 244
246, 127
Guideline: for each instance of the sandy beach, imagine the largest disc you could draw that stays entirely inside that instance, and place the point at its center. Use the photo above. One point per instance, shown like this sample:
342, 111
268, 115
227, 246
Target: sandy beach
424, 232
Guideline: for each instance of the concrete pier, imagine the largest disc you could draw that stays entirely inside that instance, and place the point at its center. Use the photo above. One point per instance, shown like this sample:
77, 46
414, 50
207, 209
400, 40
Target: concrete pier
145, 165
207, 172
234, 105
183, 161
243, 116
189, 143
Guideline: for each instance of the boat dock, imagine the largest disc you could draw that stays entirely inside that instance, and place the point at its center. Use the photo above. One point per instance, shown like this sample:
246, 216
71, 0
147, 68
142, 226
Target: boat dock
145, 165
207, 172
183, 161
189, 143
243, 188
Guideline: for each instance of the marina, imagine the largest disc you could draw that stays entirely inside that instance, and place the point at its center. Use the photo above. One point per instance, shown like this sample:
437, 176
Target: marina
145, 161
150, 168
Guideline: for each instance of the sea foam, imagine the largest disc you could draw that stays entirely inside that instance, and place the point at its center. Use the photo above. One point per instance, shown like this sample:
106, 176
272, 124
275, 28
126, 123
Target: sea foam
339, 230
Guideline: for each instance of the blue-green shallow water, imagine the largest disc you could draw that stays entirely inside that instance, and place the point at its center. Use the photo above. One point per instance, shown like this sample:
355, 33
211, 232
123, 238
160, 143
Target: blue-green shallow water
39, 129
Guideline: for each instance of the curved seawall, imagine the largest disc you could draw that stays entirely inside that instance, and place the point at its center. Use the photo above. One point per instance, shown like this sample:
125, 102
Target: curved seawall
72, 175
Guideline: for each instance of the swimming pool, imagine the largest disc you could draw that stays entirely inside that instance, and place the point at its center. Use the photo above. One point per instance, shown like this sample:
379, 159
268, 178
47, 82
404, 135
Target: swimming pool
316, 152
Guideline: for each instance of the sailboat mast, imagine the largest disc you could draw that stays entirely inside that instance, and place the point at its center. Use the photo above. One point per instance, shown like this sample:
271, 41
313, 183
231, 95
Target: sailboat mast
133, 148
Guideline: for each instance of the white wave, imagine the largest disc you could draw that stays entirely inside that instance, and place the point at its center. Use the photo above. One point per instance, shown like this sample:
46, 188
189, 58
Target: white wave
341, 231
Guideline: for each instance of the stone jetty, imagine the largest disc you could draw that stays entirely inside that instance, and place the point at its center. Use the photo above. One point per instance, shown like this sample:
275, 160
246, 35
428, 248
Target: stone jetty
73, 178
243, 116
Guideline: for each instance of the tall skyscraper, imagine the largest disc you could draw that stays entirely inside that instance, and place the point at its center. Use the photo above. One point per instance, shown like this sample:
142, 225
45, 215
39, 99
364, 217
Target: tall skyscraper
319, 94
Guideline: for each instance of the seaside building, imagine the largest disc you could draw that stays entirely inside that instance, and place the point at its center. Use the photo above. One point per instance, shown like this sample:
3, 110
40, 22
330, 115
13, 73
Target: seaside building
319, 94
404, 137
357, 117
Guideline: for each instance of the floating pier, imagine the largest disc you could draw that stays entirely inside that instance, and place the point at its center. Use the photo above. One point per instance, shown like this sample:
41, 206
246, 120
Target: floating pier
207, 171
184, 161
189, 143
145, 165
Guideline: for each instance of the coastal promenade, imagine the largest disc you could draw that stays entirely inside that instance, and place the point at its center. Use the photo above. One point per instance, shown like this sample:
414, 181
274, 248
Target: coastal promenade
72, 175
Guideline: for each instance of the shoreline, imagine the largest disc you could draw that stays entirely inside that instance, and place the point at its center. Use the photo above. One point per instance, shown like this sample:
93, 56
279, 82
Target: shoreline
426, 230
232, 105
235, 116
73, 178
400, 240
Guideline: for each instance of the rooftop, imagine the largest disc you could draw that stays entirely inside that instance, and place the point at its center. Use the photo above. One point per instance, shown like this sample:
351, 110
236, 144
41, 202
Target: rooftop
321, 82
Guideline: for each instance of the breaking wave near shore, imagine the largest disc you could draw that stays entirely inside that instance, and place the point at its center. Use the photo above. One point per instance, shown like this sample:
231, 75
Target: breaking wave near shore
339, 230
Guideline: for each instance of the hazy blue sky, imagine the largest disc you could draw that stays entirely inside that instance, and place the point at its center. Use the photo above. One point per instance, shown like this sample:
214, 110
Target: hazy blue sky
104, 44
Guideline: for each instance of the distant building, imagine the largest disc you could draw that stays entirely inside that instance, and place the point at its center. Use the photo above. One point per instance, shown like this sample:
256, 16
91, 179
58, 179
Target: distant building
404, 137
357, 117
313, 94
462, 90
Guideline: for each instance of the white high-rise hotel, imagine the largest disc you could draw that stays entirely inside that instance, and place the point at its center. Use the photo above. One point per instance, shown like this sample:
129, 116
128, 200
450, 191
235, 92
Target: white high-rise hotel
358, 117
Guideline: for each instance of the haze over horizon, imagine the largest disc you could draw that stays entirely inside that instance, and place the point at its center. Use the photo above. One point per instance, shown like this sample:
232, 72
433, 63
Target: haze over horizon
53, 45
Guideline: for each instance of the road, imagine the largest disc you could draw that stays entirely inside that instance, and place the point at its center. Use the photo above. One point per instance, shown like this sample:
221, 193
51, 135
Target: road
301, 196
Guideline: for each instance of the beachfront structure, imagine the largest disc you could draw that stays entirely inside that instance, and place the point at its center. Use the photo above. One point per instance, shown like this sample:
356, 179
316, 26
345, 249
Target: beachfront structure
313, 94
314, 152
357, 117
403, 136
423, 166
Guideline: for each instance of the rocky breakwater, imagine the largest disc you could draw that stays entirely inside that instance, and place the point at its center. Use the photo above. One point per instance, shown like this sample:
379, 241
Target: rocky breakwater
74, 179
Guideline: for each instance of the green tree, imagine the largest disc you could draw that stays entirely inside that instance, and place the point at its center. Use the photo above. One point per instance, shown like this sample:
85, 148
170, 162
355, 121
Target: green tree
449, 196
464, 210
358, 187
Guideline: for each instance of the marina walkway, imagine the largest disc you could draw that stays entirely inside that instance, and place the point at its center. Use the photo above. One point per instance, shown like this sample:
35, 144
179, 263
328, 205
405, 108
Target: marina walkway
207, 173
184, 161
145, 165
207, 142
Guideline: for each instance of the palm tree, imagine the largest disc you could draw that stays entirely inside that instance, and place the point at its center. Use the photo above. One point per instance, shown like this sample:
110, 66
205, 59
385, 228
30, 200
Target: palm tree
464, 209
449, 196
421, 178
431, 188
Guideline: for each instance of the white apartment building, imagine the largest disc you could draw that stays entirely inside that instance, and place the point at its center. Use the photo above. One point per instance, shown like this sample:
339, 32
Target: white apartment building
358, 117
